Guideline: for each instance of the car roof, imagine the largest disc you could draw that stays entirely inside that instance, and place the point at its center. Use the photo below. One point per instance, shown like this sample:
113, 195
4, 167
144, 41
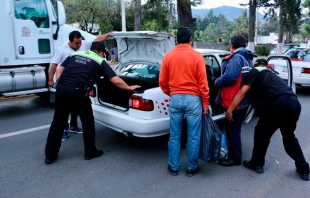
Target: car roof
302, 48
212, 51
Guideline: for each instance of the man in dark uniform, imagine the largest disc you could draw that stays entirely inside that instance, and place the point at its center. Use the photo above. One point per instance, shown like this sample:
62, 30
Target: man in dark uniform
77, 75
278, 108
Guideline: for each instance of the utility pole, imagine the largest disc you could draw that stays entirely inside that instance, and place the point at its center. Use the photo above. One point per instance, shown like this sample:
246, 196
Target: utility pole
123, 16
256, 27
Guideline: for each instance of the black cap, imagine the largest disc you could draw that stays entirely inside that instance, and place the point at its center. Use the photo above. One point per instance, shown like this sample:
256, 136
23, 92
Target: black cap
97, 45
261, 62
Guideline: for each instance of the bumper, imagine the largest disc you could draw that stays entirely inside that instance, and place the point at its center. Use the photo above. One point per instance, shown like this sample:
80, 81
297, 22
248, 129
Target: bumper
299, 80
303, 81
123, 123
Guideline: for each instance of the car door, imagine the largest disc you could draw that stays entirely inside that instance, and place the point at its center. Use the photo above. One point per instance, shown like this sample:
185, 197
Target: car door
33, 32
290, 83
213, 70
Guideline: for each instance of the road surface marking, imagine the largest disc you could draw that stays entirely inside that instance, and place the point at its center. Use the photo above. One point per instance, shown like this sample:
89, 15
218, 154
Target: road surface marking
15, 97
24, 131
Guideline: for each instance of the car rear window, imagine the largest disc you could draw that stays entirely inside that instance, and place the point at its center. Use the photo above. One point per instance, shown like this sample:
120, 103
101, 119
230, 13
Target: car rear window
141, 71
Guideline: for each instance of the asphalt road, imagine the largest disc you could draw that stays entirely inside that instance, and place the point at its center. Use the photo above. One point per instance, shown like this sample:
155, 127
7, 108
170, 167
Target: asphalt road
133, 167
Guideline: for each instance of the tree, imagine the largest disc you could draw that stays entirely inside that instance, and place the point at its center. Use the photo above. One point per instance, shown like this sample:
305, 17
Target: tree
157, 15
271, 25
252, 19
86, 12
292, 17
220, 24
289, 16
185, 13
241, 24
210, 33
305, 33
137, 15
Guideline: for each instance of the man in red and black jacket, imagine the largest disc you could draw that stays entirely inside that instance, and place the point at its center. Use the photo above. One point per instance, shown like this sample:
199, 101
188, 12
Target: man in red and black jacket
234, 69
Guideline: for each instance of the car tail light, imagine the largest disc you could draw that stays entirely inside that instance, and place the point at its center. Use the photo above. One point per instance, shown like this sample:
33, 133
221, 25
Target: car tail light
270, 66
305, 70
137, 102
92, 93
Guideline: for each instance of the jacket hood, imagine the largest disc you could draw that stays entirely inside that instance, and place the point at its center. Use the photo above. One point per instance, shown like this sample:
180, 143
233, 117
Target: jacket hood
247, 54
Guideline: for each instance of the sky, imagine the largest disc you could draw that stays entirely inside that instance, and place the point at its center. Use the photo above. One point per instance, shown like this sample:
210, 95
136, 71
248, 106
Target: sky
217, 3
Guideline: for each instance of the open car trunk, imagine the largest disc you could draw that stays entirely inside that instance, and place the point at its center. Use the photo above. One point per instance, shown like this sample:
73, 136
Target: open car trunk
113, 95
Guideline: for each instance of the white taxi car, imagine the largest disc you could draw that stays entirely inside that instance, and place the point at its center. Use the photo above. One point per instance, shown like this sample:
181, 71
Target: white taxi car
145, 112
300, 72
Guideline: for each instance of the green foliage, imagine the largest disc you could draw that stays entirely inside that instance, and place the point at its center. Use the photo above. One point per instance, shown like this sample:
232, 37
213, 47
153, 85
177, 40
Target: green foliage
227, 48
262, 50
210, 33
219, 22
198, 35
271, 25
239, 26
156, 15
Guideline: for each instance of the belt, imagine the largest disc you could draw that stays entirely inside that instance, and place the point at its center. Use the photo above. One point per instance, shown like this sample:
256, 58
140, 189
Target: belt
69, 85
289, 97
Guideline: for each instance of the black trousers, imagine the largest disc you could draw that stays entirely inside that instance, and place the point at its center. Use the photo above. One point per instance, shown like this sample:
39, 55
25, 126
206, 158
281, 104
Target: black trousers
233, 134
70, 97
282, 114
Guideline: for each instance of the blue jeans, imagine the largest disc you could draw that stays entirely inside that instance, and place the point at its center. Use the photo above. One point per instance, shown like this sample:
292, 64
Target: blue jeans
181, 106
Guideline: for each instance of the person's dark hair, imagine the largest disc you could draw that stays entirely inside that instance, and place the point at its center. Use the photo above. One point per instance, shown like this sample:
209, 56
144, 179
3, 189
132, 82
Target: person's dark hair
261, 62
184, 34
238, 40
97, 46
74, 34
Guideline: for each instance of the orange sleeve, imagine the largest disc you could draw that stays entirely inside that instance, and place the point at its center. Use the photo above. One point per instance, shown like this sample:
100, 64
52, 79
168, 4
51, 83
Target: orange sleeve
203, 82
163, 78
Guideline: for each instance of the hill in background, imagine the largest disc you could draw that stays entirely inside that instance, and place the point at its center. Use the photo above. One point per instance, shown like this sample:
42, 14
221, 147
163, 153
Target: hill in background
230, 12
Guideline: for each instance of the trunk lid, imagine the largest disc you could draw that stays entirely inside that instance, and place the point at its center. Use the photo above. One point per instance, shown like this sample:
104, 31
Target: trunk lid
142, 46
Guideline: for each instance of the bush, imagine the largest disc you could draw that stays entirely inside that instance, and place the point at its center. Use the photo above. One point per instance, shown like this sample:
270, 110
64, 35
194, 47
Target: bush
227, 48
262, 50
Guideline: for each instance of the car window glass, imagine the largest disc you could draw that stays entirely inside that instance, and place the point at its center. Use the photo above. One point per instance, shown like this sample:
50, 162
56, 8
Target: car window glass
141, 71
211, 60
34, 10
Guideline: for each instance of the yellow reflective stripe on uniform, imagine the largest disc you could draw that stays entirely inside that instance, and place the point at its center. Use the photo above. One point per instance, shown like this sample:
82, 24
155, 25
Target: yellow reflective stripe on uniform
89, 54
260, 68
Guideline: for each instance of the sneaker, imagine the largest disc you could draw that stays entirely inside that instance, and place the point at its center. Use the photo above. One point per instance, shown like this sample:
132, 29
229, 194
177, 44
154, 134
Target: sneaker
173, 172
76, 129
192, 172
65, 135
257, 169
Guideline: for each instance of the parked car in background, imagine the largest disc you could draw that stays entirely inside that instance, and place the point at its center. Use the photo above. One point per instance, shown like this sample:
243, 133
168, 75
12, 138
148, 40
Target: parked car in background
300, 69
145, 112
299, 54
273, 51
294, 45
289, 47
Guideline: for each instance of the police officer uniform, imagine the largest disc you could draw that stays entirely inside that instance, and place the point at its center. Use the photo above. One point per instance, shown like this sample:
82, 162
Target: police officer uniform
279, 108
81, 70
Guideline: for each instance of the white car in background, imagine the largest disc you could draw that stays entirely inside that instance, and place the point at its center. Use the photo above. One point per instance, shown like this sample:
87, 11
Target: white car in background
300, 71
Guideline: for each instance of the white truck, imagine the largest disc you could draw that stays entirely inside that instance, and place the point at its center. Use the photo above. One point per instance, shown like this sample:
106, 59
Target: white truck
31, 33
